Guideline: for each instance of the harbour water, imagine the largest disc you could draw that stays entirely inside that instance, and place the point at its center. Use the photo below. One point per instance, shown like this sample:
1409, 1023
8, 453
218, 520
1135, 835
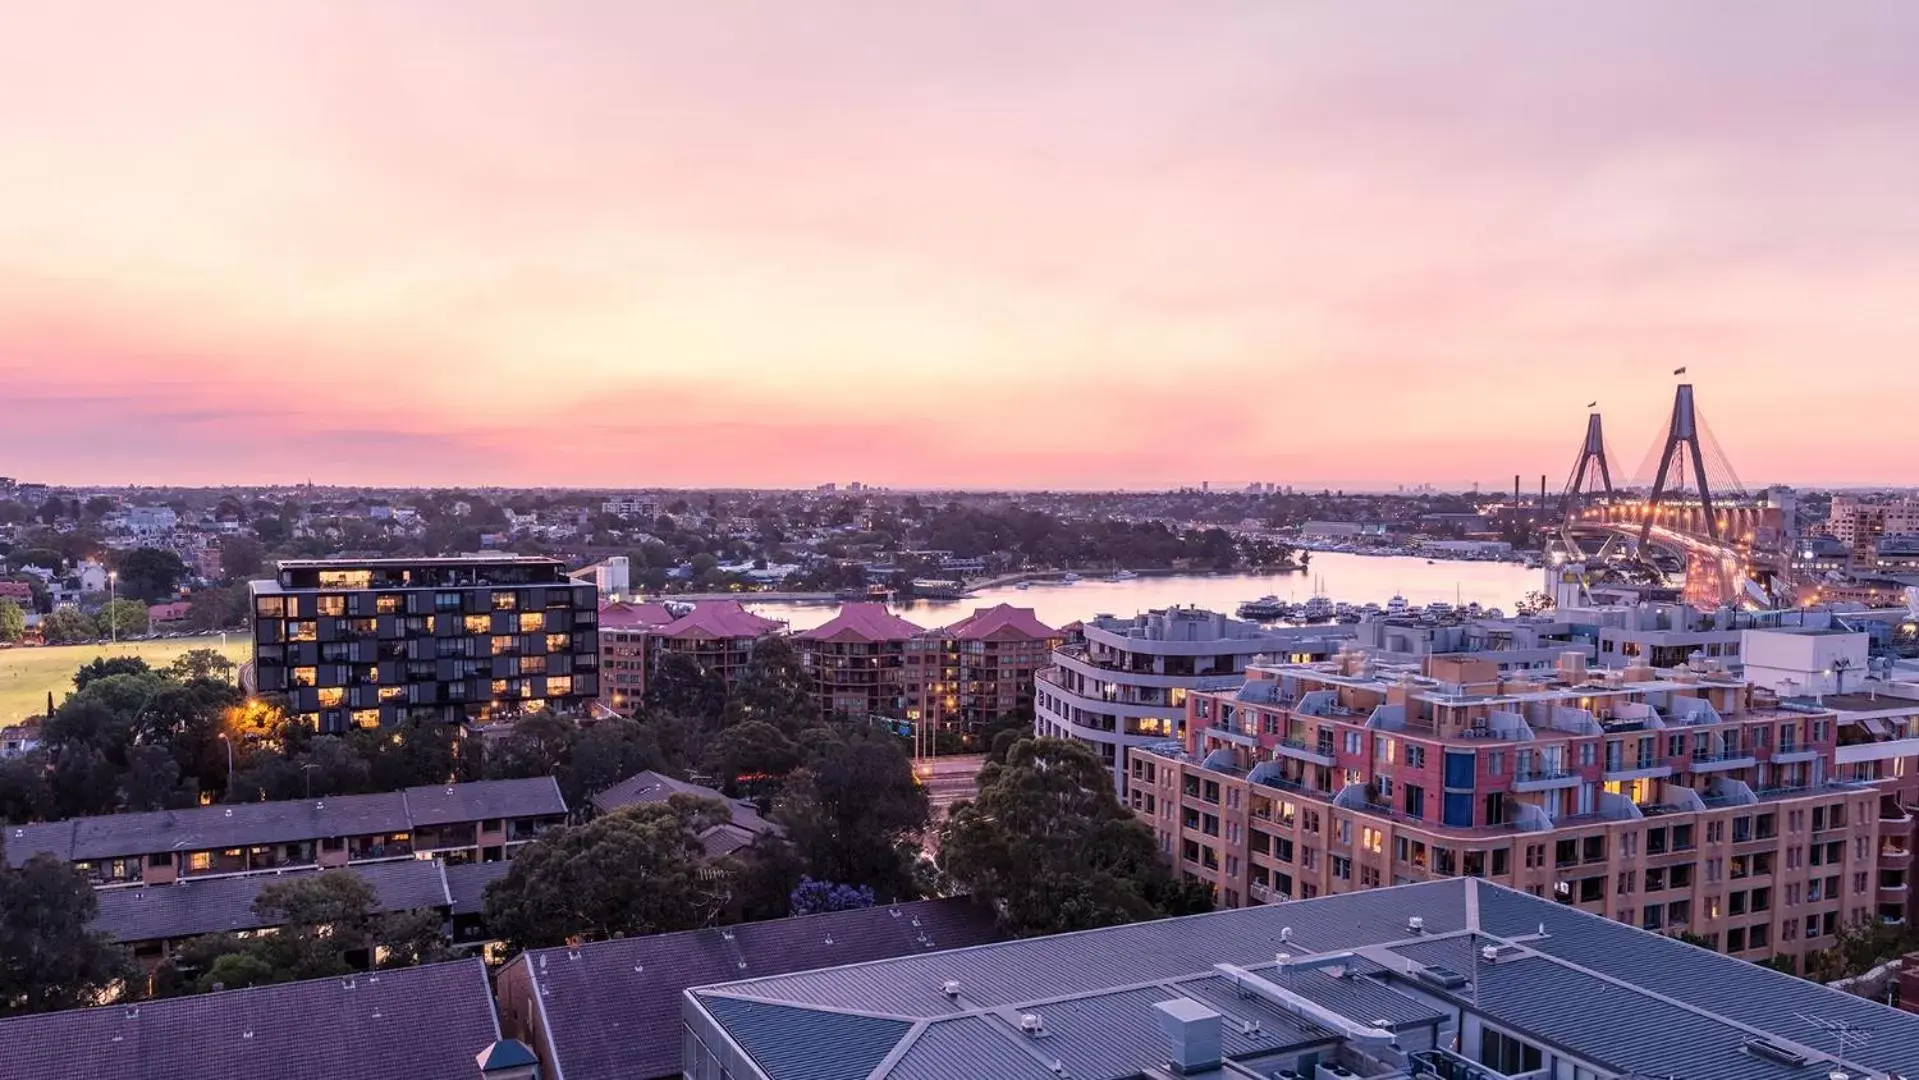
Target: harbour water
1355, 579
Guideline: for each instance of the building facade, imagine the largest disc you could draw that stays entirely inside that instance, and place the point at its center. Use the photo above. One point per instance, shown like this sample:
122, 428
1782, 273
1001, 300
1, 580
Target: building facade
1124, 684
867, 661
985, 669
372, 642
624, 630
1860, 525
718, 635
1679, 800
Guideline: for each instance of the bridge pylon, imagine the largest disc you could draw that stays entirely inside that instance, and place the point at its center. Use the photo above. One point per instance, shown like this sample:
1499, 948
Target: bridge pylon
1591, 467
1682, 447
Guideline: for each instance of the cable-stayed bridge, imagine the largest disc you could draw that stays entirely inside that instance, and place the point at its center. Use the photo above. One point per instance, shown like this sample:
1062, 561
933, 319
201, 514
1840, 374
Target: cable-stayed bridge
1684, 507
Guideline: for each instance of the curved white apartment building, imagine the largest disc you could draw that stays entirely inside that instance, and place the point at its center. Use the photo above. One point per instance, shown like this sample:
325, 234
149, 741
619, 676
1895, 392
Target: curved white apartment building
1125, 683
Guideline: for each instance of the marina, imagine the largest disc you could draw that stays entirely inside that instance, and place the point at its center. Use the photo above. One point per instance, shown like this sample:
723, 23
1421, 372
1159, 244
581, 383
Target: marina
1356, 580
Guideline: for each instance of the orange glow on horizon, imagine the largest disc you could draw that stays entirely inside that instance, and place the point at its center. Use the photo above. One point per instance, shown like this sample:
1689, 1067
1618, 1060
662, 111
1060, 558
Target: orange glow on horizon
648, 244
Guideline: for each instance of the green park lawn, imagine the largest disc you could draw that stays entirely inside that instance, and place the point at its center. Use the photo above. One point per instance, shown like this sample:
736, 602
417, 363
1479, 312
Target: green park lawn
27, 674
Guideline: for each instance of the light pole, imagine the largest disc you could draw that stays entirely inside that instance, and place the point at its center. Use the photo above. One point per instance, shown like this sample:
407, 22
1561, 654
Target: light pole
306, 773
228, 743
113, 597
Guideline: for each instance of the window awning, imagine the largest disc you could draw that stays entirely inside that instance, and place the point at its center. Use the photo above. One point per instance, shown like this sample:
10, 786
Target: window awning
1878, 727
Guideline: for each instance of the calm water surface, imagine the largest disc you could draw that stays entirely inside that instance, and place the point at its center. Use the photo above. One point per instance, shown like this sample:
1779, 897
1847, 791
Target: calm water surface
1356, 579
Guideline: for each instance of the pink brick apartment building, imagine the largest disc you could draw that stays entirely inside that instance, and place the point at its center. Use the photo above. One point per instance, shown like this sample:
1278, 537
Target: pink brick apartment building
1674, 800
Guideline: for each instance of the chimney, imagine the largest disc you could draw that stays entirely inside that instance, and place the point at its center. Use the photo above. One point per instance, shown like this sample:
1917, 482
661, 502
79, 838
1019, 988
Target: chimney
1515, 489
1194, 1032
508, 1059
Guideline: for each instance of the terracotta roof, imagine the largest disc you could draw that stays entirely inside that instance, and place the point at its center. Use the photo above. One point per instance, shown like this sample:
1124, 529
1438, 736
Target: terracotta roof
1002, 621
865, 620
624, 616
16, 590
720, 619
169, 612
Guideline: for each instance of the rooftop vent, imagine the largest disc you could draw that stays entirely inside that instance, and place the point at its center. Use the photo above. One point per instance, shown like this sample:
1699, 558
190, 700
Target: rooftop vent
1772, 1051
229, 812
1194, 1031
1031, 1024
951, 988
1443, 977
1490, 954
1416, 924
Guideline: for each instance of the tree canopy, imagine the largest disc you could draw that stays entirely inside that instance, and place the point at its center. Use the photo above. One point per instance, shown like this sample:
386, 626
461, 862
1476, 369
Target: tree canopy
641, 870
13, 621
1049, 847
49, 959
854, 814
149, 574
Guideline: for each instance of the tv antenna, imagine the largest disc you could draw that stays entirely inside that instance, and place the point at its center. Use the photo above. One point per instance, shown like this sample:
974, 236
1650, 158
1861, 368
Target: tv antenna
1842, 1031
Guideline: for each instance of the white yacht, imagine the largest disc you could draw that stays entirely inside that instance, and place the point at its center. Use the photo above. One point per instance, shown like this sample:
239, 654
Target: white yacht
1122, 575
1068, 578
1316, 609
1397, 605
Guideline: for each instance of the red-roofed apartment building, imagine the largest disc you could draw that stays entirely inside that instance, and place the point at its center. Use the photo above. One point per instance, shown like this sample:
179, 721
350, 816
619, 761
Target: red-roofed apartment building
623, 633
987, 664
867, 661
718, 634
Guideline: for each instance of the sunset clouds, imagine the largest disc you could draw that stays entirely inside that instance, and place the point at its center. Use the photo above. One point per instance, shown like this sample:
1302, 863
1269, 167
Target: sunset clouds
1085, 243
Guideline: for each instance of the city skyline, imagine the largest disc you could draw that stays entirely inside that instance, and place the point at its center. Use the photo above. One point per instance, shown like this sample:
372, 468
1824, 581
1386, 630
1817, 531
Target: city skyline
1123, 246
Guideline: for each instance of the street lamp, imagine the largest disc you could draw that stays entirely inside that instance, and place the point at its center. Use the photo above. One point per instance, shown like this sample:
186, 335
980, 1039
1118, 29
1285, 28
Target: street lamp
228, 743
113, 597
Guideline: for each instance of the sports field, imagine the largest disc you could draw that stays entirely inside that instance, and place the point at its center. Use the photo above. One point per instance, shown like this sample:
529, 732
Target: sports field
26, 674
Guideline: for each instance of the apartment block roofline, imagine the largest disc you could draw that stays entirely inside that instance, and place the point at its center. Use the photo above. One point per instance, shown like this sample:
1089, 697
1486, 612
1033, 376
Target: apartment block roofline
1597, 994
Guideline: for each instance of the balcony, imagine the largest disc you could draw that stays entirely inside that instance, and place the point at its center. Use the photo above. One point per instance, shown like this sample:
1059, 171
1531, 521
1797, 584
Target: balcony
1722, 760
1544, 779
1788, 755
1320, 754
1894, 854
1620, 772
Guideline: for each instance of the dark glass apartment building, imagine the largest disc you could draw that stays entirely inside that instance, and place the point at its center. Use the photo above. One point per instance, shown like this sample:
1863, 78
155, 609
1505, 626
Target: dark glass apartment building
370, 642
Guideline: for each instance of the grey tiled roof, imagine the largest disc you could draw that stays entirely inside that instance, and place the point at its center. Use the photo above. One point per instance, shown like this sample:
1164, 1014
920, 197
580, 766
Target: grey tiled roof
424, 1023
612, 1007
537, 796
223, 904
1622, 998
467, 883
246, 824
807, 1045
653, 787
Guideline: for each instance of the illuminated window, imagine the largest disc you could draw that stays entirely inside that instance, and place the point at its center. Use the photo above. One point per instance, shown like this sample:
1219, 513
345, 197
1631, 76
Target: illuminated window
200, 860
1371, 839
366, 718
392, 693
304, 630
479, 624
332, 697
559, 685
504, 644
560, 642
499, 688
304, 676
532, 622
346, 579
505, 601
390, 604
333, 605
270, 607
533, 665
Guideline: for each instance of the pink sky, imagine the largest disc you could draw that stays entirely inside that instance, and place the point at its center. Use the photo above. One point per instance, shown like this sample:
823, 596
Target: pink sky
1080, 243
